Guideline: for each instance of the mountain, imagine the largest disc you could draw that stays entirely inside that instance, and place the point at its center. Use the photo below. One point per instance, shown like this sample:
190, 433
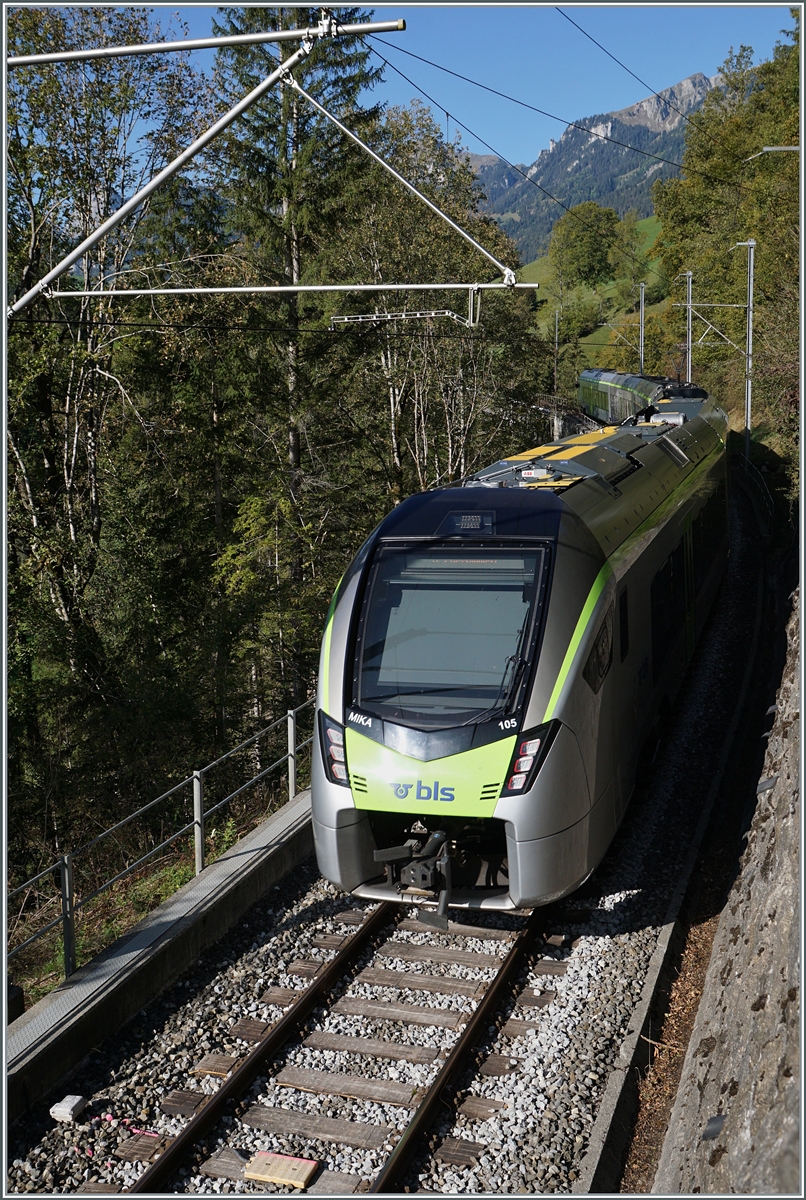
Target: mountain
583, 166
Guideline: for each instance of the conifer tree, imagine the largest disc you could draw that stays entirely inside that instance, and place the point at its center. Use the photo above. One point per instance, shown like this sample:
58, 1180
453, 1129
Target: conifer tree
286, 173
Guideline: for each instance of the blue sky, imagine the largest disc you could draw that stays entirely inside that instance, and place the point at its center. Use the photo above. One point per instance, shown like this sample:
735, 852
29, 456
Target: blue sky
533, 53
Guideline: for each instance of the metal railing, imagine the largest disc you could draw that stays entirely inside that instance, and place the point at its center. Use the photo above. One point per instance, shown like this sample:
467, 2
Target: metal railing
65, 865
567, 418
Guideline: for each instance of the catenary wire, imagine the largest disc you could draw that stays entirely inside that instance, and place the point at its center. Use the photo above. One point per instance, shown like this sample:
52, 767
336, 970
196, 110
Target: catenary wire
278, 329
543, 112
649, 270
524, 104
157, 326
643, 82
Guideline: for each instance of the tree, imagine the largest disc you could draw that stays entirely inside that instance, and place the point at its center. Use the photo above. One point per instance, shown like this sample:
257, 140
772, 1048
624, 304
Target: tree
627, 261
287, 173
81, 137
401, 405
581, 240
449, 391
722, 199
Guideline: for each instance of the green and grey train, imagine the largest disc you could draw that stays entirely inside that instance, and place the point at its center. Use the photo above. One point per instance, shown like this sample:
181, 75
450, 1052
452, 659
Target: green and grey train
498, 651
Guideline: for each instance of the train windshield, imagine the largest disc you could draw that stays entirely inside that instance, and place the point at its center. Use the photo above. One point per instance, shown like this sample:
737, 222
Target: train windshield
448, 632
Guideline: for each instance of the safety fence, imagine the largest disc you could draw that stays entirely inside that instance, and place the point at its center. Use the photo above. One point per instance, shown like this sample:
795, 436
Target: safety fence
192, 788
567, 418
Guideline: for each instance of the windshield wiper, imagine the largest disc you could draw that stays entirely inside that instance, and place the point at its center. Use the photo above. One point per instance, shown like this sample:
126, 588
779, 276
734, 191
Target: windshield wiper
497, 706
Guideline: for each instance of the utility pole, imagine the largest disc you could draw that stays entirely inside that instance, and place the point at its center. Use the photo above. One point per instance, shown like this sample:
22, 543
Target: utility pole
641, 328
556, 345
687, 275
748, 357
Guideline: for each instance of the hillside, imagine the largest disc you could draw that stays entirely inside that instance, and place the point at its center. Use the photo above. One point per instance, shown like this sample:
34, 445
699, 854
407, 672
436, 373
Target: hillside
539, 271
582, 166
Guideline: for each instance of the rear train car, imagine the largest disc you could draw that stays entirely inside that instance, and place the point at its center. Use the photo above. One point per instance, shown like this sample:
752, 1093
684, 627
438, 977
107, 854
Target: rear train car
498, 651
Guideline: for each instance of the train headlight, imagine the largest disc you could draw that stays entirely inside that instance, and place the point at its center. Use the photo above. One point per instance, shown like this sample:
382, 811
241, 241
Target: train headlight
332, 740
530, 750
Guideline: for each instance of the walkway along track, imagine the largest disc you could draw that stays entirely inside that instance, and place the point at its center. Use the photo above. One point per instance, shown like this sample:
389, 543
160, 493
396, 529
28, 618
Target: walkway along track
156, 1178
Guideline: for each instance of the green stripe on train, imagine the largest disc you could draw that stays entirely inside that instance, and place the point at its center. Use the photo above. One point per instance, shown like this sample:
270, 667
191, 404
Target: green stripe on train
581, 625
325, 680
653, 519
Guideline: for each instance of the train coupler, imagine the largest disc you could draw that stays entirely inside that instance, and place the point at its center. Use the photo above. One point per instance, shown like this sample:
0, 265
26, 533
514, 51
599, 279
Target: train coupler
439, 919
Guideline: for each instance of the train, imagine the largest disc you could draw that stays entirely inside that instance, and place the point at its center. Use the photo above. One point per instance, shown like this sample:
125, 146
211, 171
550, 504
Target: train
611, 397
500, 650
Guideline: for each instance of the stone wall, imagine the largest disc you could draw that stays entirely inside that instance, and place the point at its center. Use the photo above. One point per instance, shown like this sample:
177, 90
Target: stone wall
743, 1059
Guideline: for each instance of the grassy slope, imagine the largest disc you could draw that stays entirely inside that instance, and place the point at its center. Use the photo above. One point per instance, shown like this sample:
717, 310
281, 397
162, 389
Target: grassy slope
767, 452
539, 272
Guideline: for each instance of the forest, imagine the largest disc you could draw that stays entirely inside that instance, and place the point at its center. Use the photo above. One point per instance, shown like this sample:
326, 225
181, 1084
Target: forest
189, 475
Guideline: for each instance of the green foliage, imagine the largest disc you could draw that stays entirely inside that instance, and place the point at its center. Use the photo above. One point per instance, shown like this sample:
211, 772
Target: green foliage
579, 318
76, 145
190, 475
723, 199
627, 261
582, 241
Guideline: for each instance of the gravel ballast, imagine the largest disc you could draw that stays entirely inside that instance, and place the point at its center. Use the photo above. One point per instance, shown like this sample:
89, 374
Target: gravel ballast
538, 1140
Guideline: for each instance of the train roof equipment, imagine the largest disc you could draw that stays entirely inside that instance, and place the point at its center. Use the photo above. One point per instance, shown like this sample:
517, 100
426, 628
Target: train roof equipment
588, 470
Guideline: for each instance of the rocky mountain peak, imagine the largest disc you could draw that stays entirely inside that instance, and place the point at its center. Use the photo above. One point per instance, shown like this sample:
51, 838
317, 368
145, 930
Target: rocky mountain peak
666, 110
613, 158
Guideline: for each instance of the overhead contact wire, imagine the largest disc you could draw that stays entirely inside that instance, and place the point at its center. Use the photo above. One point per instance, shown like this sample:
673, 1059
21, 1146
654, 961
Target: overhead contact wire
155, 326
648, 86
524, 104
493, 150
553, 116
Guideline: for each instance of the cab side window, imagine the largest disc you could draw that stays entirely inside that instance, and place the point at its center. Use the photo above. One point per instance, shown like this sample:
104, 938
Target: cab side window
601, 655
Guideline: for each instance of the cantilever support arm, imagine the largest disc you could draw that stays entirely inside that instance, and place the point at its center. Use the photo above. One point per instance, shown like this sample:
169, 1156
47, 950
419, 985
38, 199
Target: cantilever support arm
507, 272
44, 284
211, 43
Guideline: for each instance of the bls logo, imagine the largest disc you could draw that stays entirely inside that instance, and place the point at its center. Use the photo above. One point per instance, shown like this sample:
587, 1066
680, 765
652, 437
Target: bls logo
425, 791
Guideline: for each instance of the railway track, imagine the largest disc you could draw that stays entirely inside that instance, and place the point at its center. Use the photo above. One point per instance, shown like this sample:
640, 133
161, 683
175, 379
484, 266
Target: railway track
296, 1042
466, 1030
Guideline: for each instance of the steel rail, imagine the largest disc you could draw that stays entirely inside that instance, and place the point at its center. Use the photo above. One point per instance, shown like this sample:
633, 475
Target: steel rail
152, 1180
211, 43
388, 1179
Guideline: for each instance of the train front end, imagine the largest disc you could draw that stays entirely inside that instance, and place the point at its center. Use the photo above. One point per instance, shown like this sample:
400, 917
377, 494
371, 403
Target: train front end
435, 777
